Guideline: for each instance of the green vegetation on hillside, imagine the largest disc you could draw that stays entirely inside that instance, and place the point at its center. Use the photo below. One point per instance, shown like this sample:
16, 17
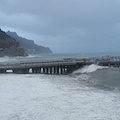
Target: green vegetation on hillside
9, 46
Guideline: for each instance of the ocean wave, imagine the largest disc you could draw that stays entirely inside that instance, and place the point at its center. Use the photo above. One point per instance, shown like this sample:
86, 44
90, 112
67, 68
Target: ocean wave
49, 97
34, 55
6, 59
88, 69
99, 76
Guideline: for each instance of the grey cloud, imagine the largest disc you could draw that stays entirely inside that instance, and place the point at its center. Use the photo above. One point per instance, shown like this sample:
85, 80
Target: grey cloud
85, 25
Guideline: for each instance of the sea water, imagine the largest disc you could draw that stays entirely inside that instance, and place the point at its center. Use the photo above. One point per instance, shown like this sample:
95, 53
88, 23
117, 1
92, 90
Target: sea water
89, 93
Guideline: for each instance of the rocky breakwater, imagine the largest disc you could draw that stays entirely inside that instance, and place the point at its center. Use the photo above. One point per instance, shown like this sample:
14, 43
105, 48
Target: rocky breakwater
9, 46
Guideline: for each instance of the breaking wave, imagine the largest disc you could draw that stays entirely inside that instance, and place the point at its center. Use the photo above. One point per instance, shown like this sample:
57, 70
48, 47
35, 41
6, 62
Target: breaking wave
99, 76
7, 59
88, 69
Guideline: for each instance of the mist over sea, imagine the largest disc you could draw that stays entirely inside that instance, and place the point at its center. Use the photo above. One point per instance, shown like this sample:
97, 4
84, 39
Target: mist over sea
89, 93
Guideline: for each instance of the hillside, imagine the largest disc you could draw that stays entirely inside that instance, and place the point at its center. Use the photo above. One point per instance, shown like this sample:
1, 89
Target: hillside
29, 45
9, 46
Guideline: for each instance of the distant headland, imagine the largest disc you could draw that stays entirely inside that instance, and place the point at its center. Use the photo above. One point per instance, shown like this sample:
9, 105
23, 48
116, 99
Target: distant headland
29, 45
13, 45
9, 46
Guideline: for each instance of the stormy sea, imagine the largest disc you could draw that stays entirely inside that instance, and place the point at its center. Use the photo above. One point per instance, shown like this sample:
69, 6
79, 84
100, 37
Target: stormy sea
89, 93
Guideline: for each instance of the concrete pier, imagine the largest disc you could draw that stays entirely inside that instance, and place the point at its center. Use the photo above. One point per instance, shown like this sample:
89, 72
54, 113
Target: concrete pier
46, 67
48, 70
66, 66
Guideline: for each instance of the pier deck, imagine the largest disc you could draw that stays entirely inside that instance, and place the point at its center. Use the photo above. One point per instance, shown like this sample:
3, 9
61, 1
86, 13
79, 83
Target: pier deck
64, 66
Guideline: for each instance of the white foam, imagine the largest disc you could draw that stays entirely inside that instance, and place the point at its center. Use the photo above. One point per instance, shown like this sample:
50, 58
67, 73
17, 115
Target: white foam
88, 69
7, 59
49, 97
32, 55
83, 76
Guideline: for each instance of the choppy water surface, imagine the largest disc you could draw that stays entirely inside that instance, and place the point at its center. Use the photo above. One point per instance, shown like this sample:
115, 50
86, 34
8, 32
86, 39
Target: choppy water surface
90, 93
98, 76
51, 97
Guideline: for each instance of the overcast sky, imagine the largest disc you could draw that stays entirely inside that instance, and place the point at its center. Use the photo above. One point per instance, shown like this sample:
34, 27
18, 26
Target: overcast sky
65, 25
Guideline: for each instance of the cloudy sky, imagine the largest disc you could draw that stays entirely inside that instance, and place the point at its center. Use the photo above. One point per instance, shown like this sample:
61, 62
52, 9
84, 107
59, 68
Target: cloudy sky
70, 26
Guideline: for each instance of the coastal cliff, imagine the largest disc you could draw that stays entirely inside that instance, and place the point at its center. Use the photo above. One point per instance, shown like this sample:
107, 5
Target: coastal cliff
29, 45
9, 46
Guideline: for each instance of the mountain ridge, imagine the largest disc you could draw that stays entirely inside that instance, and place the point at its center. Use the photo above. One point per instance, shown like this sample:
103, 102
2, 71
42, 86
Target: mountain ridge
9, 46
29, 45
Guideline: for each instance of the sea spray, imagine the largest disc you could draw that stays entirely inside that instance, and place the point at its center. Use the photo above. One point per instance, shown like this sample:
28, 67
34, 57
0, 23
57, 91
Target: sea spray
88, 69
99, 76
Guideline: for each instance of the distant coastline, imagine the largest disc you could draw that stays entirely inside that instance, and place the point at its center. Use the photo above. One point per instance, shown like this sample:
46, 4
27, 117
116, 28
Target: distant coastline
9, 46
13, 45
29, 45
